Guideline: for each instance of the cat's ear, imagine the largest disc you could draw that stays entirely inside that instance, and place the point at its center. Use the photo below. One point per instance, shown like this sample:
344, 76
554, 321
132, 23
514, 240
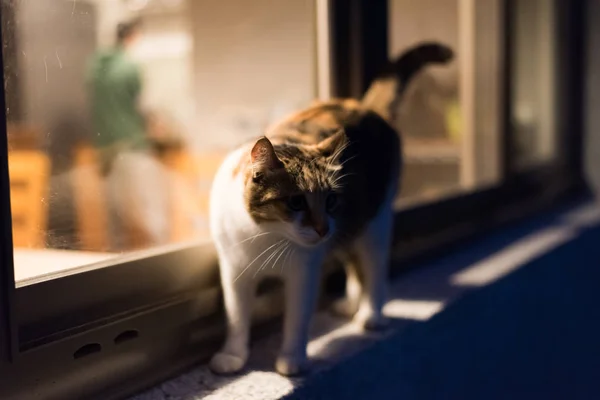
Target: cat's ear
263, 157
333, 143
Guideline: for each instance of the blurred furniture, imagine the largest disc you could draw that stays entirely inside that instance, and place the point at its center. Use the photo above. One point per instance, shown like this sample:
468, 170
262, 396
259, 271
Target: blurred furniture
22, 136
90, 202
29, 175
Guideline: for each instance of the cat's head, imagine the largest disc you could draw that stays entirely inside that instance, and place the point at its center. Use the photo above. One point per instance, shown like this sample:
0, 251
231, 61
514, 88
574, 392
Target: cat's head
295, 189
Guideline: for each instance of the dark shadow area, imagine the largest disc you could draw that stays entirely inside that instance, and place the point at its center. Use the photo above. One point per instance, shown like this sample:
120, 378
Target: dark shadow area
430, 280
339, 348
531, 335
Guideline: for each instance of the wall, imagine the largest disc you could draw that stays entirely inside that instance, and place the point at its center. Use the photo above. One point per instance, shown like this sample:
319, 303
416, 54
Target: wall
253, 61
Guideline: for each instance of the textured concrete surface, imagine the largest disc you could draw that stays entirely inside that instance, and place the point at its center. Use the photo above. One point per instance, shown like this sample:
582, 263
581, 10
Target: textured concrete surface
515, 315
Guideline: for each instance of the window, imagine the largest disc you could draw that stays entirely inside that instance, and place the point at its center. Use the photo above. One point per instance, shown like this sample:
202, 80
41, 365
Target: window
533, 91
115, 283
450, 116
119, 113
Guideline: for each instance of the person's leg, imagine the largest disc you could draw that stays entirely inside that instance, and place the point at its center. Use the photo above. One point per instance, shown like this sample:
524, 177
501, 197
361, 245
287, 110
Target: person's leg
116, 231
139, 192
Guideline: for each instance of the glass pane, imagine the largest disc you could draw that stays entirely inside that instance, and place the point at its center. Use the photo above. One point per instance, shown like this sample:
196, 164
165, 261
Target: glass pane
450, 114
533, 98
119, 112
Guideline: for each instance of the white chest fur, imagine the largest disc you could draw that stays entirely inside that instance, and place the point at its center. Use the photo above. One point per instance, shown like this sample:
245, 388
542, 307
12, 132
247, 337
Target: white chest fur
247, 250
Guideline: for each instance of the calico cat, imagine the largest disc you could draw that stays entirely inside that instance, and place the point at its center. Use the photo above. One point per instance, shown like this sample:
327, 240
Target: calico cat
320, 184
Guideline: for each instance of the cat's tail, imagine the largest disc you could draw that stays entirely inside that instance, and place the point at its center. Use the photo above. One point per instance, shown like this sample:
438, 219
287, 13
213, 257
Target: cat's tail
386, 90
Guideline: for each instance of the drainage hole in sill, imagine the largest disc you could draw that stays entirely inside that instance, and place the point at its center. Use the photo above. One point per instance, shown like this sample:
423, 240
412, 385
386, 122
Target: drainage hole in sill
126, 336
87, 350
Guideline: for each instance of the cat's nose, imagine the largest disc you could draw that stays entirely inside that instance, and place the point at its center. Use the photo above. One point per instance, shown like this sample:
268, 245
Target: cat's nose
322, 229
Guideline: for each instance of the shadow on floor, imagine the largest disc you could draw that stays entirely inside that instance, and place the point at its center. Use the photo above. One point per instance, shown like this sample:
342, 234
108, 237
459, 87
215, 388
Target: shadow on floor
531, 335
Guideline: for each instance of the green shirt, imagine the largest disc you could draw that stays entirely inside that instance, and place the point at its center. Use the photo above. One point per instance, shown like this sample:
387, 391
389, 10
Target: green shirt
115, 84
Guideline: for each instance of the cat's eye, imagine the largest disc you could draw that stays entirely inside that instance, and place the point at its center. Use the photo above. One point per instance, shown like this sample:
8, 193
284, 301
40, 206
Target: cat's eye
296, 203
331, 202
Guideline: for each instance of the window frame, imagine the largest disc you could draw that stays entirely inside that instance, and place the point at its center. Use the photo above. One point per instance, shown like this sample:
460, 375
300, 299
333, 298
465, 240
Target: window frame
172, 297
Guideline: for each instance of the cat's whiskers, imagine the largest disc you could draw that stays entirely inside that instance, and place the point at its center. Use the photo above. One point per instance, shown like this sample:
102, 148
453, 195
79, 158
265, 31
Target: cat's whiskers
289, 256
348, 159
335, 183
271, 256
333, 158
287, 245
334, 169
257, 257
314, 160
253, 238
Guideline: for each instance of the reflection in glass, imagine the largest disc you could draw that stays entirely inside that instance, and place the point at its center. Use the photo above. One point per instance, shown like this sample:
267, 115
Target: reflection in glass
119, 113
450, 115
533, 98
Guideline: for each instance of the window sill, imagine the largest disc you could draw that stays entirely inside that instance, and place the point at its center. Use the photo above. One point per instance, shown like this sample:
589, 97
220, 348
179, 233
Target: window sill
35, 263
416, 296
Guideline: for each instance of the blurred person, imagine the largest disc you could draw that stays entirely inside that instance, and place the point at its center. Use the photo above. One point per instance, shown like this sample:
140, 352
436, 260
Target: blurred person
136, 181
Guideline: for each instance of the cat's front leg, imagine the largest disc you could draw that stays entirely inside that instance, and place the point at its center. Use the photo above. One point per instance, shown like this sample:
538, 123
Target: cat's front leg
373, 257
301, 289
238, 295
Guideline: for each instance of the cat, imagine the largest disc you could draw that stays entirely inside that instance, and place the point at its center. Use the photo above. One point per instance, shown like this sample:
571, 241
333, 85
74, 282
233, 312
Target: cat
321, 183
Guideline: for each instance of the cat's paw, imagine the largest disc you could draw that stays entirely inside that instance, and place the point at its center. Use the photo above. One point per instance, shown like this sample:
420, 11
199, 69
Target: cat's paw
371, 322
344, 308
224, 364
291, 366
